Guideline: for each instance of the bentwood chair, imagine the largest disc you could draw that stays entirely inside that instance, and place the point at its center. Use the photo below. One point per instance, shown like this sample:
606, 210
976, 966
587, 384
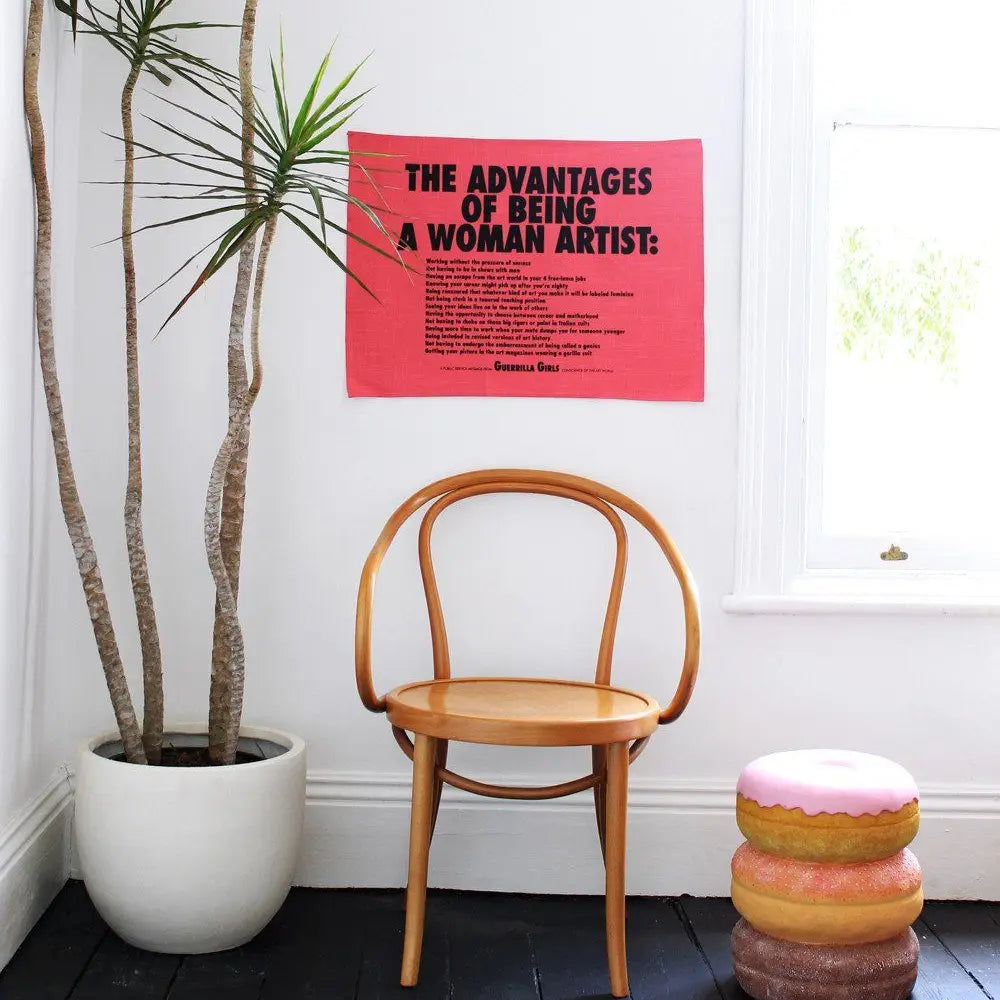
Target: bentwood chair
616, 723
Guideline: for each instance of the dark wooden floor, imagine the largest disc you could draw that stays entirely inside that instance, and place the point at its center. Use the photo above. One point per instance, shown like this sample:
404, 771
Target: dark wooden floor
345, 945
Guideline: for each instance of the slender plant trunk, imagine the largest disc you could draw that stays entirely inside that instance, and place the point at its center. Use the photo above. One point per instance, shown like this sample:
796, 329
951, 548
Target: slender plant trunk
234, 488
76, 521
238, 425
145, 612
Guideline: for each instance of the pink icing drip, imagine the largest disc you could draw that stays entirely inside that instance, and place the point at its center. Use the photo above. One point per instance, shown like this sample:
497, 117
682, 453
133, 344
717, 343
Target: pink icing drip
827, 781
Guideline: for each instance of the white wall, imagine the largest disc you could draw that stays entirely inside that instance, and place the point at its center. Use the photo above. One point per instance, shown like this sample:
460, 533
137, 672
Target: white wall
26, 758
16, 383
326, 471
15, 424
34, 790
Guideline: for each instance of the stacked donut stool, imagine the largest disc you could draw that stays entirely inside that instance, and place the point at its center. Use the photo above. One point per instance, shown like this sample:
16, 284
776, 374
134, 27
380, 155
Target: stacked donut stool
824, 882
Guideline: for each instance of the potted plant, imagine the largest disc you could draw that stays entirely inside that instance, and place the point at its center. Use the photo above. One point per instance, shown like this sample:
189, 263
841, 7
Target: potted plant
188, 834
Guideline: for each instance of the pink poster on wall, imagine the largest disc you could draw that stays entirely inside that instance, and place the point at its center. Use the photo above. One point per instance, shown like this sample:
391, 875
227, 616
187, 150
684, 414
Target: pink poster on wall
537, 268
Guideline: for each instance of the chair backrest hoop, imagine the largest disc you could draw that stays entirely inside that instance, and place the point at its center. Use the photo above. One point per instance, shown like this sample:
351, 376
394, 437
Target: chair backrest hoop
596, 495
439, 636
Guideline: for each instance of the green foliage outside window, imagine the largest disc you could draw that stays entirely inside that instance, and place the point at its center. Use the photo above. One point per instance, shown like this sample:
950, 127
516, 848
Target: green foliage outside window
900, 296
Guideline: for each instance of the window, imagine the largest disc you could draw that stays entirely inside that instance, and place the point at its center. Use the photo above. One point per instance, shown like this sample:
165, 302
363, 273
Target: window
871, 307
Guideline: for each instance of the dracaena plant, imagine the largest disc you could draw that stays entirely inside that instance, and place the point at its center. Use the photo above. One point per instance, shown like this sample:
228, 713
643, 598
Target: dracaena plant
286, 172
145, 34
255, 168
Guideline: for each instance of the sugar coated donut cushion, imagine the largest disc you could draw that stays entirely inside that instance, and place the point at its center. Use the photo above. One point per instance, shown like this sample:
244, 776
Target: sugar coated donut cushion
821, 903
770, 969
827, 805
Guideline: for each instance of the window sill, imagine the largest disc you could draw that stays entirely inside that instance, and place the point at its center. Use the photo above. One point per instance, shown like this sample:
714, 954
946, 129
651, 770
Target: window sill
959, 594
862, 604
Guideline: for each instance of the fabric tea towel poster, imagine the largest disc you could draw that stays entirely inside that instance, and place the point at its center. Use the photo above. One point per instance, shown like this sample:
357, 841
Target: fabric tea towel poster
533, 268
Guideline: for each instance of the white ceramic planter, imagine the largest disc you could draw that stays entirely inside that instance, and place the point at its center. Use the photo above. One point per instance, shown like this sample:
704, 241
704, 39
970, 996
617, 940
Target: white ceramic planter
188, 860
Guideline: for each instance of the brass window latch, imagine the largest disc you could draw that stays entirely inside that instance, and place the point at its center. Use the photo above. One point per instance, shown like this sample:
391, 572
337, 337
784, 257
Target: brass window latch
894, 554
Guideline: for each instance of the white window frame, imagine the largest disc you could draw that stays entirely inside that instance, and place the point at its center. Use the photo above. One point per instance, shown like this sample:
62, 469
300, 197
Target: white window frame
780, 228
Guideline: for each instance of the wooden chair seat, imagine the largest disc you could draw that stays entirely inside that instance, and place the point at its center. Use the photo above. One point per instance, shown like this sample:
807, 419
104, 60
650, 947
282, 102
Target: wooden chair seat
522, 711
614, 722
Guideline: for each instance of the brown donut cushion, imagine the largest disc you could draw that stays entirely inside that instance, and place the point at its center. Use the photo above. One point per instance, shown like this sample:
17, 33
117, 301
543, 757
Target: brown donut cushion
770, 969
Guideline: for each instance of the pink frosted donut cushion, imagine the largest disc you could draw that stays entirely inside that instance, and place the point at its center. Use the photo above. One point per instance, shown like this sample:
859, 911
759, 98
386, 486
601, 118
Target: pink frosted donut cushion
827, 781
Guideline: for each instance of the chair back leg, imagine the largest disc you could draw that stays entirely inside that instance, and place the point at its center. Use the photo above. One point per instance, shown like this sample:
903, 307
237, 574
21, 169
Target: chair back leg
614, 864
422, 809
441, 758
599, 756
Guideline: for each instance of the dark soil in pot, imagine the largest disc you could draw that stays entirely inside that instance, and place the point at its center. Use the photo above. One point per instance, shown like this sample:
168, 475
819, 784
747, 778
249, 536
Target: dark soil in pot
191, 750
194, 757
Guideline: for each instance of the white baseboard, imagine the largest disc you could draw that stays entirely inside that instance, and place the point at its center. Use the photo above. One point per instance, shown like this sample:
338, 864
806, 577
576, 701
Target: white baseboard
34, 861
681, 836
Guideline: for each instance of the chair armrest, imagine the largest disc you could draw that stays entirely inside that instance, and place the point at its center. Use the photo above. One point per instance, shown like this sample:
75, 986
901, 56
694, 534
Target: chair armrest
692, 649
363, 639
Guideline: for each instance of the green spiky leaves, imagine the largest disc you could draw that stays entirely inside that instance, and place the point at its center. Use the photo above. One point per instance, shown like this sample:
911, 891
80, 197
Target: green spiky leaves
295, 174
140, 30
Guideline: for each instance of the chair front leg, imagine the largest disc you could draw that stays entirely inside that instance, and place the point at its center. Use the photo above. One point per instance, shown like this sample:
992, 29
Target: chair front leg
614, 864
421, 819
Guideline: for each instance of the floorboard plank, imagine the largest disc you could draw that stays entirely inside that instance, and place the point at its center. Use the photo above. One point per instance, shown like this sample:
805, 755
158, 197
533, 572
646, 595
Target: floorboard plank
117, 971
570, 952
490, 950
664, 963
939, 974
712, 922
55, 953
237, 974
382, 952
313, 945
970, 933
